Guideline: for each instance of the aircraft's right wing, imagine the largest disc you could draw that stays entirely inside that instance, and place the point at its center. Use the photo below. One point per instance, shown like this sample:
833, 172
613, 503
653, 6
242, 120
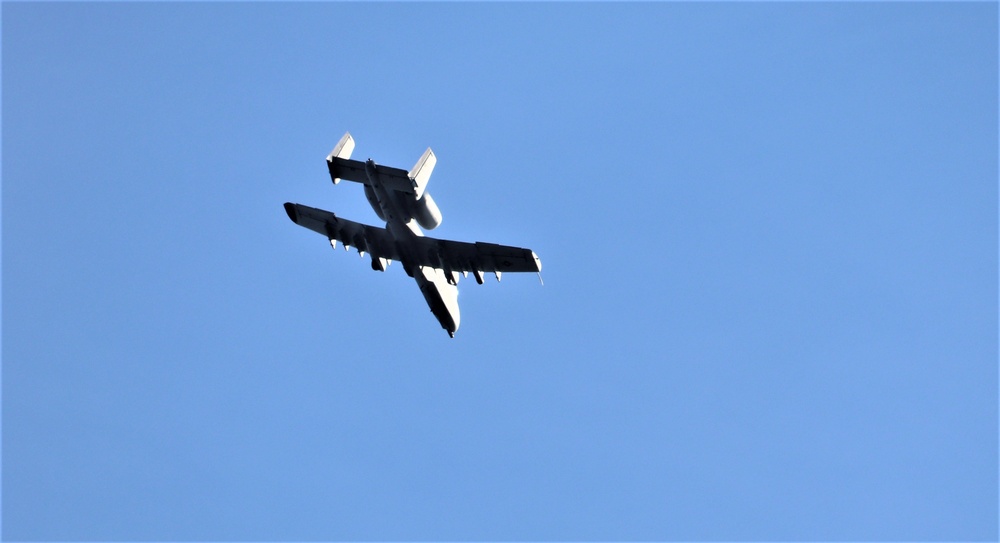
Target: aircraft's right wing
478, 257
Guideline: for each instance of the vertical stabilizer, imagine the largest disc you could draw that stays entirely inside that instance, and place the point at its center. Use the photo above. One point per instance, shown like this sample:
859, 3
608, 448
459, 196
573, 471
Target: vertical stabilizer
343, 149
421, 172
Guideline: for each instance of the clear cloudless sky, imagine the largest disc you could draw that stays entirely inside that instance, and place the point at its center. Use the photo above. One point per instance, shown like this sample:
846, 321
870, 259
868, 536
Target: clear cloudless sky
769, 236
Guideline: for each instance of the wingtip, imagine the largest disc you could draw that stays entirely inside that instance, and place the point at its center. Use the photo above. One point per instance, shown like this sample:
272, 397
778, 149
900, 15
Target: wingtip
292, 214
538, 262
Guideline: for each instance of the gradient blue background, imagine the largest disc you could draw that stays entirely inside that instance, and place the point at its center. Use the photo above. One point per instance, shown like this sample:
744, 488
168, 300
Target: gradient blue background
769, 236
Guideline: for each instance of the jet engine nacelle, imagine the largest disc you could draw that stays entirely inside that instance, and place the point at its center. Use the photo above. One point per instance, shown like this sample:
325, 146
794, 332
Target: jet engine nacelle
426, 212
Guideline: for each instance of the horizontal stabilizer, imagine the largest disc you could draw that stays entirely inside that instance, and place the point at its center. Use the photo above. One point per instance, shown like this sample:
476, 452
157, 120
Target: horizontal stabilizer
354, 170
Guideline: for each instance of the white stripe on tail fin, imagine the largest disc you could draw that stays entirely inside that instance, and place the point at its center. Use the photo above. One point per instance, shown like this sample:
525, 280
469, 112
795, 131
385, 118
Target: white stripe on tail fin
421, 172
343, 150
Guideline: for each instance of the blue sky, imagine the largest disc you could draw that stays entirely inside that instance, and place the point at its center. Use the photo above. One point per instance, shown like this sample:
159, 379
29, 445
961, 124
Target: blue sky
769, 236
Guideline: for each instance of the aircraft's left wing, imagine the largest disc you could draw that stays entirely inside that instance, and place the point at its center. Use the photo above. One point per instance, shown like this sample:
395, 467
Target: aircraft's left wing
376, 241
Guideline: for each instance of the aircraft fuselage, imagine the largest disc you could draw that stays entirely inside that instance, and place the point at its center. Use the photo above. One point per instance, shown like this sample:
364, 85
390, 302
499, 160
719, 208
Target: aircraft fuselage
398, 210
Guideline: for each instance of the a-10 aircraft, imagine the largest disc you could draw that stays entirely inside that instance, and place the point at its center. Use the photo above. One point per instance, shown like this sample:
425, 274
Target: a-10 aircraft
400, 199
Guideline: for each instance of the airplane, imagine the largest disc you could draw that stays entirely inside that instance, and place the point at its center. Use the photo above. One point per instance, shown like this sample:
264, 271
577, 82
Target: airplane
400, 198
